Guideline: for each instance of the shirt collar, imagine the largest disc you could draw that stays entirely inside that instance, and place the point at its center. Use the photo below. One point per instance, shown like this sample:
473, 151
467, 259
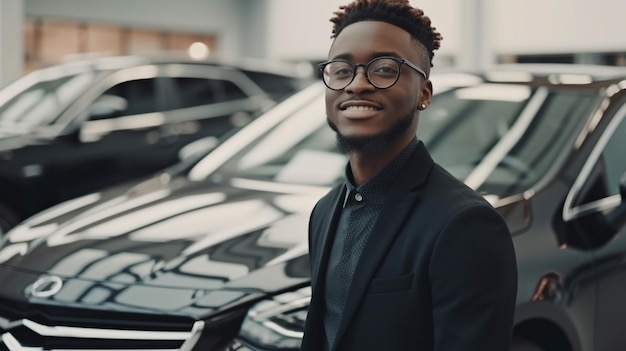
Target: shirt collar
383, 180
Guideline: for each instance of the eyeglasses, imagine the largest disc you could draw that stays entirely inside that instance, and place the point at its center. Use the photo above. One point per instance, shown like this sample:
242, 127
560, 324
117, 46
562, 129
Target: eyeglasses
382, 72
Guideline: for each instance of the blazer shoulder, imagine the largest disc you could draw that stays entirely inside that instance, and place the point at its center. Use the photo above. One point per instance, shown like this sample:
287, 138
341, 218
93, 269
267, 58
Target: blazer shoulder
452, 191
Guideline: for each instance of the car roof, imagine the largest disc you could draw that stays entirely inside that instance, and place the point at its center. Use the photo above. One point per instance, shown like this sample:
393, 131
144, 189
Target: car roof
544, 74
83, 62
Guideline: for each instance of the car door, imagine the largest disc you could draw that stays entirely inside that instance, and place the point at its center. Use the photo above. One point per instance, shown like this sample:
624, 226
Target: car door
594, 195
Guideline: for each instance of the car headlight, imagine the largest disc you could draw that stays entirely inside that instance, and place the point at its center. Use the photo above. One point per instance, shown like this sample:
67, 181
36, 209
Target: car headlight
277, 323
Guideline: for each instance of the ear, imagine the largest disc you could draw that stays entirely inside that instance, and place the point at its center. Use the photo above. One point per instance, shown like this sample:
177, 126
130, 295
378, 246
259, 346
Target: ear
425, 94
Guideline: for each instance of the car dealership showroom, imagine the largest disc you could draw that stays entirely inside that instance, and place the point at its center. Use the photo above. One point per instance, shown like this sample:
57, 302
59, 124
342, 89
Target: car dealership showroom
160, 161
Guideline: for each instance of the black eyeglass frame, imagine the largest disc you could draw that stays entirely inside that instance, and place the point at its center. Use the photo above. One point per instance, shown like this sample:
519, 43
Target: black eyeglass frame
366, 66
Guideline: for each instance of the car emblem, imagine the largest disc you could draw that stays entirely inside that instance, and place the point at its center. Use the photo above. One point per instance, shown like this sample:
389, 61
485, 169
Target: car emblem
46, 286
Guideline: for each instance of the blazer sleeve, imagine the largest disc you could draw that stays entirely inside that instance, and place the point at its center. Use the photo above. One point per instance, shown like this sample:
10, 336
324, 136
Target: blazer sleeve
473, 276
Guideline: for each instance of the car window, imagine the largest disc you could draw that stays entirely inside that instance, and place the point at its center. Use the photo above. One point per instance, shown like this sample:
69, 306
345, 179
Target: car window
277, 86
41, 102
614, 159
535, 152
556, 121
231, 91
460, 127
192, 92
301, 140
140, 96
603, 178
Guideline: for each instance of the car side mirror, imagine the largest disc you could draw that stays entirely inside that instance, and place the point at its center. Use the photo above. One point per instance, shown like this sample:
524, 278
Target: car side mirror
616, 219
107, 106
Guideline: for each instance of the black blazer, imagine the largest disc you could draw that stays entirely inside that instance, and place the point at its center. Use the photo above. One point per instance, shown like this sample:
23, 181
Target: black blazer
438, 272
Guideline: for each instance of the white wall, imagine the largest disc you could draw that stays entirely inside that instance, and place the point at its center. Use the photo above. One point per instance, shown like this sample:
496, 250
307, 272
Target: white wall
473, 30
11, 45
558, 26
301, 29
253, 19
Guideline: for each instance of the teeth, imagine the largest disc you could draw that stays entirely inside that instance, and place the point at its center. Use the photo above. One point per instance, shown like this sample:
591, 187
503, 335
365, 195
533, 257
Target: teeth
360, 108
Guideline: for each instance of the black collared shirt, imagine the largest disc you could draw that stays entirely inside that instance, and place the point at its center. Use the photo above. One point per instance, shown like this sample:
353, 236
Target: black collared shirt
361, 209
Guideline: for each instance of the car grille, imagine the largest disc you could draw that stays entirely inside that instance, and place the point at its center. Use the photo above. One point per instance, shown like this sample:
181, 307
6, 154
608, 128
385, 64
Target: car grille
64, 329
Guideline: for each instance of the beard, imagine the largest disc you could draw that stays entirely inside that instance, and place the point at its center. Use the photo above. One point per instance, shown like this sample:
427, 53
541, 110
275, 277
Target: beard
372, 144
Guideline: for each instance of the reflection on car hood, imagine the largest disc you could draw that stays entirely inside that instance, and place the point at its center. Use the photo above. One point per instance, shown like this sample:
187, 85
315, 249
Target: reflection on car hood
169, 247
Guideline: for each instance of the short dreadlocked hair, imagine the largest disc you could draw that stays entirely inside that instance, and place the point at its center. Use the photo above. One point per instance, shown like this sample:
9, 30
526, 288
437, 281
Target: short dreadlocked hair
397, 12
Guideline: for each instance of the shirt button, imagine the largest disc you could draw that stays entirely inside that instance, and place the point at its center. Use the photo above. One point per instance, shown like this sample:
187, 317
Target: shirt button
358, 197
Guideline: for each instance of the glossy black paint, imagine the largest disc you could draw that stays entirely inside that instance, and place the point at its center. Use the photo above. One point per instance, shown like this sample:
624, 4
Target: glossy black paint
172, 253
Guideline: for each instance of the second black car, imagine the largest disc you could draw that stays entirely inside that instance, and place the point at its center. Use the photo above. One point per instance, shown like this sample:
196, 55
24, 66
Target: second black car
73, 128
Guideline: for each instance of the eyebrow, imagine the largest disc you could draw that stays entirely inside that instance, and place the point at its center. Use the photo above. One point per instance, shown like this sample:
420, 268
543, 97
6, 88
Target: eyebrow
348, 57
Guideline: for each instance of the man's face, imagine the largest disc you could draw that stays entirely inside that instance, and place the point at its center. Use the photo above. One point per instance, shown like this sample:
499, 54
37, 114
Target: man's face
362, 112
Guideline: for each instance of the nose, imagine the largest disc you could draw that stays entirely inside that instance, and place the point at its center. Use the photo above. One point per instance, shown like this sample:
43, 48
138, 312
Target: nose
360, 83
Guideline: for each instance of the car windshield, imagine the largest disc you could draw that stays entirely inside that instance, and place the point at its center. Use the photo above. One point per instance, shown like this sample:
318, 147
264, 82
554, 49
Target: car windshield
38, 98
496, 137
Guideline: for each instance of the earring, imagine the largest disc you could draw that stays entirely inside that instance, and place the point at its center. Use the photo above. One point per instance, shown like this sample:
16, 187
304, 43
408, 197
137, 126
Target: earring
422, 106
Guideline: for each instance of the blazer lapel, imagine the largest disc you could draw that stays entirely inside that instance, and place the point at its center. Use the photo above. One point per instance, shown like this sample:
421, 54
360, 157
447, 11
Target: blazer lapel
314, 326
398, 205
327, 230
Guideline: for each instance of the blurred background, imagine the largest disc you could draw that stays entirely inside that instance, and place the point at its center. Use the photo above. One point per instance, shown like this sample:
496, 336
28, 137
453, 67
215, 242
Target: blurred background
157, 201
477, 33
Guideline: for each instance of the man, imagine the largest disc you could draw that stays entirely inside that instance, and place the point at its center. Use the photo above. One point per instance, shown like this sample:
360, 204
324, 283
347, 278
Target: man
403, 255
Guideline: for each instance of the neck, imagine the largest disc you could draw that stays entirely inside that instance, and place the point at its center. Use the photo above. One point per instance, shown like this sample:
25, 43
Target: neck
365, 166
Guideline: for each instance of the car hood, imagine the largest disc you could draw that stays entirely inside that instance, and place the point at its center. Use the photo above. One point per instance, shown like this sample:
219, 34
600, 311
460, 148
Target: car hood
174, 246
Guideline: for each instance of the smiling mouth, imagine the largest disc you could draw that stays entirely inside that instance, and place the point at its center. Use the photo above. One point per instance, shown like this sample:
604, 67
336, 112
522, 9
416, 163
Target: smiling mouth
360, 108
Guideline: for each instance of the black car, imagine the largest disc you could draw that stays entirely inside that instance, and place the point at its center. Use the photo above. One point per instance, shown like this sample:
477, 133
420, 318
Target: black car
212, 254
73, 128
